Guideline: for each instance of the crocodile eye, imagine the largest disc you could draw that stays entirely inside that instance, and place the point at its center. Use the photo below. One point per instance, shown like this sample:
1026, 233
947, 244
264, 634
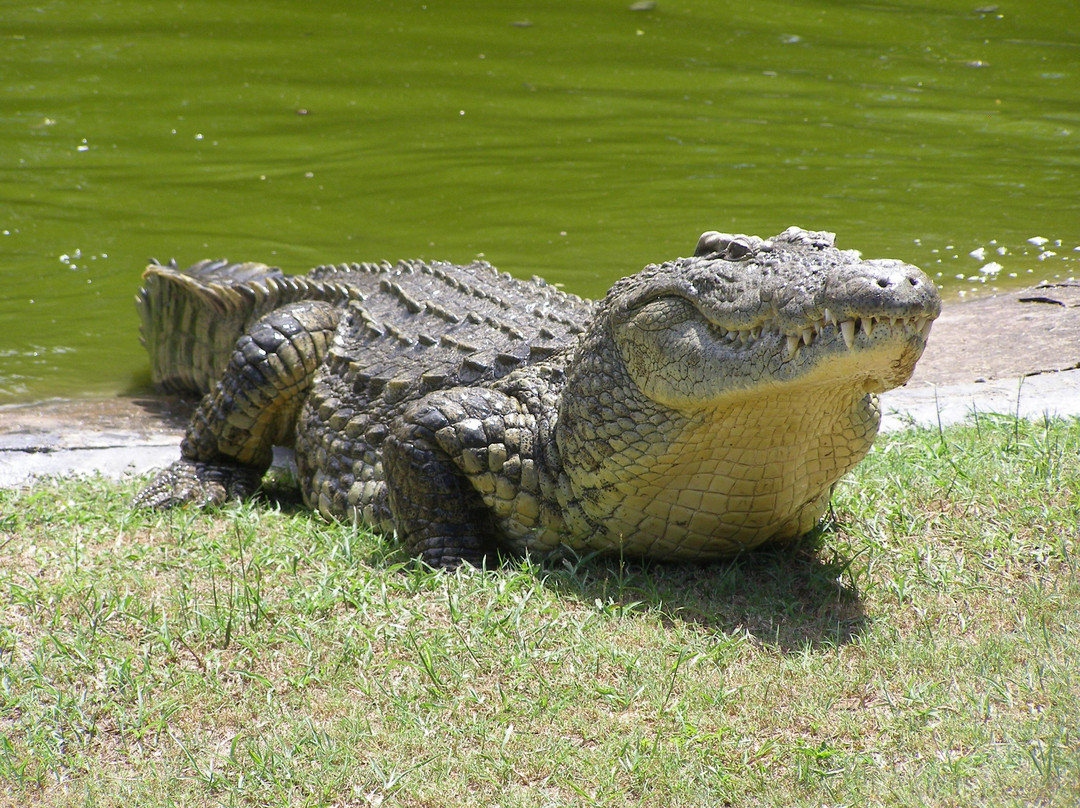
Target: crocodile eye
736, 249
710, 243
725, 246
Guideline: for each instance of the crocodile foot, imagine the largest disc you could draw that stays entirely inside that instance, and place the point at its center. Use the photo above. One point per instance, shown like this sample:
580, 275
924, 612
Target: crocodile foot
198, 483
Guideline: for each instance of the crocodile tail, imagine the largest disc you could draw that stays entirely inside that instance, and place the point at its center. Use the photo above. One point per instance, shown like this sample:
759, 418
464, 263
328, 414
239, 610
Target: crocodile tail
192, 318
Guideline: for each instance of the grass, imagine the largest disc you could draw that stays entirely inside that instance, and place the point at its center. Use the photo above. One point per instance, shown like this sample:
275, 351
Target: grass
923, 649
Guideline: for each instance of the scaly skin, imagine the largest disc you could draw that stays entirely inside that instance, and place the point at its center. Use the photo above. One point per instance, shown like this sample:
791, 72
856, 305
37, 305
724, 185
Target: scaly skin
705, 406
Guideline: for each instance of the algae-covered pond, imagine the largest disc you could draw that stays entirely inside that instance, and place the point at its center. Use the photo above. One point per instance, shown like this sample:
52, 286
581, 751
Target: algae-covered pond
575, 140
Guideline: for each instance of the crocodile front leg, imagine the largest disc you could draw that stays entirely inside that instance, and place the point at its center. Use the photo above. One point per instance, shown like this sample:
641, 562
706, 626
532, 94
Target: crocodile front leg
438, 514
229, 442
464, 472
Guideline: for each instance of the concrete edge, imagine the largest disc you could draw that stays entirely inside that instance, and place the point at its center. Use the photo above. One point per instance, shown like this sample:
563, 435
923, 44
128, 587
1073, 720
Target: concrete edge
1031, 397
65, 450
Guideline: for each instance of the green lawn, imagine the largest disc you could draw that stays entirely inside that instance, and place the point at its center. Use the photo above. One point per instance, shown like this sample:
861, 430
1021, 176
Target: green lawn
924, 649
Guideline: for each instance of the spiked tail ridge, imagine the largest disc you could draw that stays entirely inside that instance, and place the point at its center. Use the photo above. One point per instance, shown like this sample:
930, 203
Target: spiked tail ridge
192, 318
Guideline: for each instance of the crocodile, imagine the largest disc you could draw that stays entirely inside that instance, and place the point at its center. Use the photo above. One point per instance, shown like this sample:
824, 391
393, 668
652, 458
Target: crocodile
705, 406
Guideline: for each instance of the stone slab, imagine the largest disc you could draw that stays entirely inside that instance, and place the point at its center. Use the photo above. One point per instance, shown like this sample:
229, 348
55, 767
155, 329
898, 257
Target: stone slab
1004, 336
1031, 397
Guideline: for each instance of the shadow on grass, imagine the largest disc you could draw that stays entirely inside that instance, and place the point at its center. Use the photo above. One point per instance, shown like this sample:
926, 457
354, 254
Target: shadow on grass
280, 490
789, 597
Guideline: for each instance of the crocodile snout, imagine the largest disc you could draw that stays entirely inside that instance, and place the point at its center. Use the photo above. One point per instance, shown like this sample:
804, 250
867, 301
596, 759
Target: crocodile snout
885, 287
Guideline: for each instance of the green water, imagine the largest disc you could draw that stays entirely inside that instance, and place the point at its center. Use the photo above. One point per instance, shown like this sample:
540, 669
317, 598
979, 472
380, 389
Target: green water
576, 140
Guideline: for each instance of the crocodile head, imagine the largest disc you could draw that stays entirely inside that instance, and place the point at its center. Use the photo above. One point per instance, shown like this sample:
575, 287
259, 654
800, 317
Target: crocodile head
716, 399
746, 314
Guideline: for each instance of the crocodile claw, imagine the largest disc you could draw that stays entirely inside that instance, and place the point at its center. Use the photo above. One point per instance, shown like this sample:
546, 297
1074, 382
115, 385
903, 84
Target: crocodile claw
197, 483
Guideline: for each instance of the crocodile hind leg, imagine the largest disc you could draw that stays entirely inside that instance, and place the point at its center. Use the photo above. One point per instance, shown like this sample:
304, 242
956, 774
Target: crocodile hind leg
230, 440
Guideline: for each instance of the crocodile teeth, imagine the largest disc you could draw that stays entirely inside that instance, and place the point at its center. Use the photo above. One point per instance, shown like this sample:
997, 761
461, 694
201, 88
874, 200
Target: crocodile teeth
867, 324
808, 335
793, 344
847, 328
925, 330
828, 317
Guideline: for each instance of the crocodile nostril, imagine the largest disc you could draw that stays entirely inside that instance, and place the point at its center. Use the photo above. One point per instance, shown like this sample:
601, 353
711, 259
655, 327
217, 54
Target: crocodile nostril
890, 281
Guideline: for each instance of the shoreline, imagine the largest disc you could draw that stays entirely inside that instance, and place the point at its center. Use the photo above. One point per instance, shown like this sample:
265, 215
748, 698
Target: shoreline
1012, 354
